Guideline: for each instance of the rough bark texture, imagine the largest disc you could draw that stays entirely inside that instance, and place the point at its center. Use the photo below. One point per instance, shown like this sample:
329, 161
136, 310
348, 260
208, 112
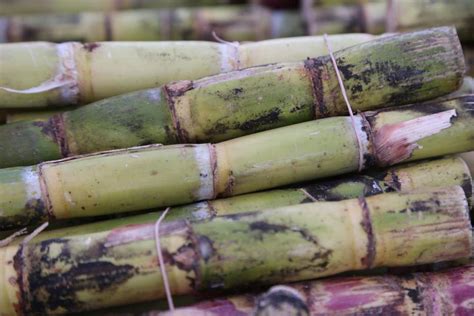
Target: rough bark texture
79, 268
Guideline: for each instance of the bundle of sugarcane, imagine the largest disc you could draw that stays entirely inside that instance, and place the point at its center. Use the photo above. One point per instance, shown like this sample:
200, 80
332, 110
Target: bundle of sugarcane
59, 6
388, 71
450, 171
448, 292
71, 73
156, 176
380, 16
93, 266
234, 23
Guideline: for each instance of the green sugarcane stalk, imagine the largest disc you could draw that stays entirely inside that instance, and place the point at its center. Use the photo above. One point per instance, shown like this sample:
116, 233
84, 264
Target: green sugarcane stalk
99, 70
60, 6
446, 292
377, 17
80, 268
158, 176
467, 87
386, 72
232, 23
404, 178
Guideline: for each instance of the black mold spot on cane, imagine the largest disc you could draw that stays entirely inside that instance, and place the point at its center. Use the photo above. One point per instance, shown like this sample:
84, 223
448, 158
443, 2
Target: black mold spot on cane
34, 212
269, 117
414, 295
281, 300
467, 185
54, 129
62, 287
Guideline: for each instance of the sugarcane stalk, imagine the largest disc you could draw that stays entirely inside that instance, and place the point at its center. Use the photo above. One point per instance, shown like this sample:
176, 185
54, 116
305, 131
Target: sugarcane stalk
158, 176
60, 6
102, 70
404, 178
386, 72
79, 268
233, 23
445, 292
377, 17
467, 87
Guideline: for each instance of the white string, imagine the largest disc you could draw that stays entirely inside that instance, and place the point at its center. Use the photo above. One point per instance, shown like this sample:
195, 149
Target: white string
308, 195
35, 233
346, 99
235, 45
166, 284
5, 242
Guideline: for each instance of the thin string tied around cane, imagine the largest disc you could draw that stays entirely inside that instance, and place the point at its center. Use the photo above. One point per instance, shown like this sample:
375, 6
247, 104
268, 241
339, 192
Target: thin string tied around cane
234, 45
164, 276
346, 99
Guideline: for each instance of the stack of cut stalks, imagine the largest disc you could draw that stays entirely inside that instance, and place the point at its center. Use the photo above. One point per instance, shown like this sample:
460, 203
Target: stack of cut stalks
268, 182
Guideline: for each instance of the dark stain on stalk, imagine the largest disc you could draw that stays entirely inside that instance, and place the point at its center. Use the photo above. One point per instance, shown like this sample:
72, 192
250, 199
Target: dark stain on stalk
44, 288
229, 185
366, 223
423, 206
33, 212
258, 123
90, 47
321, 254
315, 68
466, 185
393, 181
54, 129
414, 295
327, 191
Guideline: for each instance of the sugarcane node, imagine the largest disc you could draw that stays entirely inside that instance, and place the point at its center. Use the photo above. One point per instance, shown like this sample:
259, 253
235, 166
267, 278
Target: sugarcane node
59, 131
315, 68
173, 91
368, 260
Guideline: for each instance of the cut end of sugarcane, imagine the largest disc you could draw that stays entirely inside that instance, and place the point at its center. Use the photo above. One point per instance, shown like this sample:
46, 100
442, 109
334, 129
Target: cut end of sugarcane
395, 143
65, 80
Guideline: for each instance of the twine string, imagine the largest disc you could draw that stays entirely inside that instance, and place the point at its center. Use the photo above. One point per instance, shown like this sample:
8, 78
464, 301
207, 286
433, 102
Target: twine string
234, 45
164, 276
5, 242
308, 195
34, 233
346, 99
